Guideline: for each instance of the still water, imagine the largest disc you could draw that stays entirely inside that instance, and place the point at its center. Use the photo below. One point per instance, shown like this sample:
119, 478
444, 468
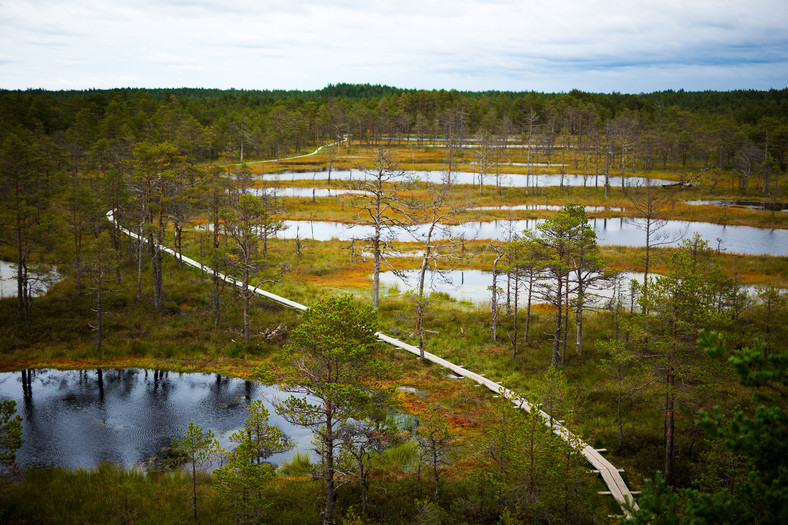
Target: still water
39, 282
474, 286
748, 205
78, 418
317, 193
613, 231
513, 180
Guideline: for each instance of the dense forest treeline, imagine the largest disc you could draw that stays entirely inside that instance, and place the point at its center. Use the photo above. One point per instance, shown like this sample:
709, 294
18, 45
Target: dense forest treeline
680, 131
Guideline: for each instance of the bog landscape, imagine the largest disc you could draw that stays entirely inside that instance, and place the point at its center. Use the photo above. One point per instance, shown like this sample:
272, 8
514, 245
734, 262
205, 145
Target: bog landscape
365, 304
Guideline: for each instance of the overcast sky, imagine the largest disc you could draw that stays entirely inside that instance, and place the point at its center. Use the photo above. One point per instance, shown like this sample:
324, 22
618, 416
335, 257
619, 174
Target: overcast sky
514, 45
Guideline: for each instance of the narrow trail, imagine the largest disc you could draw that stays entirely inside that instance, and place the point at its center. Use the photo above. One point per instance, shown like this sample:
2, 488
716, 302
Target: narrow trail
609, 473
305, 155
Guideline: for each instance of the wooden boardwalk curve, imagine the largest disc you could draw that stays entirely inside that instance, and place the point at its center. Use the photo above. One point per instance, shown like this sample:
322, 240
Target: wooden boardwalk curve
610, 474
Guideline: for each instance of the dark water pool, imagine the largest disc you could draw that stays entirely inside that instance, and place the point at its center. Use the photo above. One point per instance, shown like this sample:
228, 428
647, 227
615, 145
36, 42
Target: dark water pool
78, 418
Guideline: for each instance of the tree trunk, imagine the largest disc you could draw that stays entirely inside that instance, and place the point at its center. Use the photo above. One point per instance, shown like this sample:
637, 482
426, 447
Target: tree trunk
579, 321
194, 487
436, 473
494, 303
559, 312
420, 303
620, 425
245, 295
516, 297
528, 306
139, 264
376, 268
156, 262
669, 427
98, 307
216, 299
565, 327
21, 273
328, 477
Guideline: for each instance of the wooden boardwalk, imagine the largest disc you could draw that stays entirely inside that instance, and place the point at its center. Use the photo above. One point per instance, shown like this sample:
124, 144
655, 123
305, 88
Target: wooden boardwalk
610, 474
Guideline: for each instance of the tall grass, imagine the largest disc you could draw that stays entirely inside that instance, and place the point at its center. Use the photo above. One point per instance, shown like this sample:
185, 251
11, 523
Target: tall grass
299, 464
108, 494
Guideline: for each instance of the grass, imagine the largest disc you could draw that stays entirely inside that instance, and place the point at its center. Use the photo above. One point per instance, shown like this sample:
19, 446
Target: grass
107, 494
300, 464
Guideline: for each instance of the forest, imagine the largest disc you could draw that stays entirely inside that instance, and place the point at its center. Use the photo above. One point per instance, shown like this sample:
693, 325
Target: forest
632, 258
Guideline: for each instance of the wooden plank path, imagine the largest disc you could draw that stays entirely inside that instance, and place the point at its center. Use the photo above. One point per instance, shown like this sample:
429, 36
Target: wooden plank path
610, 474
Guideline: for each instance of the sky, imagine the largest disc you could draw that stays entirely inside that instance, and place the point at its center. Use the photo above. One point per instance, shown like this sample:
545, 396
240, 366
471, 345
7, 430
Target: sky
635, 46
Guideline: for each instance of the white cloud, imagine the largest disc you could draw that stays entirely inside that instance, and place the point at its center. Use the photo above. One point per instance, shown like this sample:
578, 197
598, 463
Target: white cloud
613, 45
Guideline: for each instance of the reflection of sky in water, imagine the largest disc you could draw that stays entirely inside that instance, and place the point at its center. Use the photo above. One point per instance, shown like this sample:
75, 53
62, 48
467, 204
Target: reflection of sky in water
474, 285
460, 177
39, 283
69, 420
305, 192
615, 231
749, 205
546, 207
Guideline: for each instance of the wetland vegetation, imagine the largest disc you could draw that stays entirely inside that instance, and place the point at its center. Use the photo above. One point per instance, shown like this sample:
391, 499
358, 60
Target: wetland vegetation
198, 171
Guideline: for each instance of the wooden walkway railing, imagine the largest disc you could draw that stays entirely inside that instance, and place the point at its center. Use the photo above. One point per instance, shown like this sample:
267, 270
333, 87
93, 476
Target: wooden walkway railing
610, 474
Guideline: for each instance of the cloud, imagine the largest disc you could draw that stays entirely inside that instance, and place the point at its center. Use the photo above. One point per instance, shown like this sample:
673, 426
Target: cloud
462, 44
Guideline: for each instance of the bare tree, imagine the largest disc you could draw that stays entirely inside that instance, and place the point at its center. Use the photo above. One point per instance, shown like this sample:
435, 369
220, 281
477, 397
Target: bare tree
747, 161
625, 135
653, 207
556, 245
587, 272
500, 252
530, 121
433, 236
269, 222
435, 441
485, 152
155, 166
453, 125
381, 204
242, 223
99, 261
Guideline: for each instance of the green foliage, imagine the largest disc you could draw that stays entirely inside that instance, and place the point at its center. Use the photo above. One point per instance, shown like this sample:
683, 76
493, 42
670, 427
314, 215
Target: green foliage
10, 439
364, 440
435, 440
199, 448
242, 479
113, 138
759, 436
679, 304
527, 474
622, 368
658, 504
299, 464
331, 358
106, 494
555, 394
264, 439
562, 246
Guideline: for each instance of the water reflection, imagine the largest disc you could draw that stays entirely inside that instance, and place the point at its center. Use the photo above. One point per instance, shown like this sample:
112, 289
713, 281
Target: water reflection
474, 286
748, 205
38, 281
317, 193
514, 180
548, 207
78, 418
611, 231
